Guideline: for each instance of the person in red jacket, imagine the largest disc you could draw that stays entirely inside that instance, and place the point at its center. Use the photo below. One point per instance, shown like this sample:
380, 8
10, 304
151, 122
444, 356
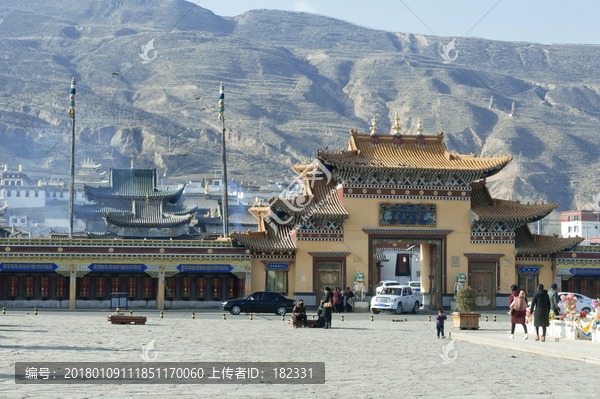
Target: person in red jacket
337, 300
517, 313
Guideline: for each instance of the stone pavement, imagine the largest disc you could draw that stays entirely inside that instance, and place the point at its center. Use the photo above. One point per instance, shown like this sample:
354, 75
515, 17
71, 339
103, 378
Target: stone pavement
363, 359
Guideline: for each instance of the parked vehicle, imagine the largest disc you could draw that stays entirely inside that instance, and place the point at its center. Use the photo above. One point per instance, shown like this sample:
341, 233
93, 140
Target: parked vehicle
260, 302
583, 302
384, 284
416, 286
395, 299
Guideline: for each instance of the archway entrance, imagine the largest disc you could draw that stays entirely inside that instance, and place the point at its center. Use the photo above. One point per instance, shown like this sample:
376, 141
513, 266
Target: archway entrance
433, 265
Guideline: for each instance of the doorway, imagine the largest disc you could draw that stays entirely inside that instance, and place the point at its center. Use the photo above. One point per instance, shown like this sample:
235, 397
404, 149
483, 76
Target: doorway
483, 285
328, 275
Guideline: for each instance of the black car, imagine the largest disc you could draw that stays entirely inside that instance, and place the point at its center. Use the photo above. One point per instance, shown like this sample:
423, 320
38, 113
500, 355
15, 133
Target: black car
260, 302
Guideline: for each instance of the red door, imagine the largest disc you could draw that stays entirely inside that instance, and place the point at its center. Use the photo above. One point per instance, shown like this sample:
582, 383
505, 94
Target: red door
171, 288
13, 286
84, 287
241, 288
201, 287
28, 286
100, 287
60, 287
115, 284
230, 287
146, 287
186, 287
571, 286
215, 285
44, 286
584, 287
595, 289
131, 287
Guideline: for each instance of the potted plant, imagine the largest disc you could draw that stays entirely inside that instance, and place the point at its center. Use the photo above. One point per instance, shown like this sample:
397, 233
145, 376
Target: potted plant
465, 303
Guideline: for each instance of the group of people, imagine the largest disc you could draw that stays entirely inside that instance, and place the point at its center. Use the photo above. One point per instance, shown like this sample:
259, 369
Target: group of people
332, 302
542, 303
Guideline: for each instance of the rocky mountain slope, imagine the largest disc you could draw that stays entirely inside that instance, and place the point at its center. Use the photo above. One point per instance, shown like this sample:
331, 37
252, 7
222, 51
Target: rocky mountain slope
295, 83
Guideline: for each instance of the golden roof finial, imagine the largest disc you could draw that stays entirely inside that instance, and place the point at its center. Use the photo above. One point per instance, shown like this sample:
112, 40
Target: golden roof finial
131, 163
396, 128
260, 202
419, 128
374, 126
206, 187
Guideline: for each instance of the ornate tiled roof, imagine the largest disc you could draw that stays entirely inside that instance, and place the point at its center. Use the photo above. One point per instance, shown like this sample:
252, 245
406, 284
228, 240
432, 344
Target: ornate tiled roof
87, 235
133, 184
279, 241
3, 209
148, 214
242, 218
512, 213
411, 154
319, 201
527, 243
97, 209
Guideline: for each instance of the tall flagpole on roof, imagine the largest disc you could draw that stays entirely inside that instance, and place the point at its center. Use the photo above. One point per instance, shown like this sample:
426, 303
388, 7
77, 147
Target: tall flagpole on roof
72, 188
224, 164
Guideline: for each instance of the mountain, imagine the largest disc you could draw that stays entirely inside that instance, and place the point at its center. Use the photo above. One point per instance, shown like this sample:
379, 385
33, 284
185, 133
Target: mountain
294, 83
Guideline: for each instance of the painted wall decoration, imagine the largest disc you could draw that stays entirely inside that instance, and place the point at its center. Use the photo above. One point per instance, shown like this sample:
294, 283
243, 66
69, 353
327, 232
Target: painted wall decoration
201, 287
100, 290
204, 268
44, 286
60, 287
146, 287
407, 214
277, 266
28, 286
29, 267
360, 288
109, 267
186, 287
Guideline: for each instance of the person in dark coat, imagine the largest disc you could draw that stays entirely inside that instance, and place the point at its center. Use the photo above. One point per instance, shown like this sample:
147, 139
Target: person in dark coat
349, 299
540, 304
554, 299
327, 311
321, 317
299, 313
517, 316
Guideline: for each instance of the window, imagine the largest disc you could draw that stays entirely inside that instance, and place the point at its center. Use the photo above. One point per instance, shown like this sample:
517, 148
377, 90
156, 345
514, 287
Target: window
568, 218
569, 229
36, 194
575, 229
576, 217
61, 194
27, 193
54, 195
22, 220
12, 183
18, 193
8, 194
47, 194
18, 182
276, 281
528, 283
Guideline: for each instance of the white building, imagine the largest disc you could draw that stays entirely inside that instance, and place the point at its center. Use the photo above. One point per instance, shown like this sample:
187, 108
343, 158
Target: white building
584, 224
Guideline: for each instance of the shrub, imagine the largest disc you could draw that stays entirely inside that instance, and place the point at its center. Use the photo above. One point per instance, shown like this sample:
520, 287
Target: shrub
465, 299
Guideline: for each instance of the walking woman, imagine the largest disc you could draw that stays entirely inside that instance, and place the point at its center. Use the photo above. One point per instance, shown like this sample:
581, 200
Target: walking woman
327, 304
337, 300
518, 310
541, 305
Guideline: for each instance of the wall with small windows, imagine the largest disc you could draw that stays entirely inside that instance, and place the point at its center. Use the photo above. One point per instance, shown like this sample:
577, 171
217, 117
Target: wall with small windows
23, 197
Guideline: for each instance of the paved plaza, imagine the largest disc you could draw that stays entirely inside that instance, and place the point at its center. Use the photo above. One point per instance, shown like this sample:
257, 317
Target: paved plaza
364, 359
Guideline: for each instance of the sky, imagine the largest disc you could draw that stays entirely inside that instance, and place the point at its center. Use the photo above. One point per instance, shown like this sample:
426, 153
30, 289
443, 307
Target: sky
545, 22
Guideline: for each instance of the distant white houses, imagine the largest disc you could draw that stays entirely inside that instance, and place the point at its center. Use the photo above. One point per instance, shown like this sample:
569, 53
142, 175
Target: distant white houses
580, 223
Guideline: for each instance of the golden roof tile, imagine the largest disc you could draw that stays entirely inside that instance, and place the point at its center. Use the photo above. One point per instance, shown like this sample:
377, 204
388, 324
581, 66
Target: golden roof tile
512, 213
361, 153
534, 244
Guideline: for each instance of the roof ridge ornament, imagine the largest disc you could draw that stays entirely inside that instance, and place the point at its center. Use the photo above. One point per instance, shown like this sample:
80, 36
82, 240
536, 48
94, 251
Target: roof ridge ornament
374, 138
396, 128
420, 137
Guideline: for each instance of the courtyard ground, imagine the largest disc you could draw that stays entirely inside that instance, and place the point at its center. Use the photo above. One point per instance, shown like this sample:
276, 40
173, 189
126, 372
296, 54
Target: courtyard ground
364, 358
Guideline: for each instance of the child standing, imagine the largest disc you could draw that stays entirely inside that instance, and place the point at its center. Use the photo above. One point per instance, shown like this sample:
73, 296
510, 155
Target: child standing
439, 323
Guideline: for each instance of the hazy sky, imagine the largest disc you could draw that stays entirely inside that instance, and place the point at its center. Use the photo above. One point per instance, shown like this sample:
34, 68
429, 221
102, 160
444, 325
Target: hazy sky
549, 21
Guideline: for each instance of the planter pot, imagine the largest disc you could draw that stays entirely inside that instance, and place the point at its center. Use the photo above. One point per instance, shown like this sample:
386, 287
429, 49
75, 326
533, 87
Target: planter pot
465, 321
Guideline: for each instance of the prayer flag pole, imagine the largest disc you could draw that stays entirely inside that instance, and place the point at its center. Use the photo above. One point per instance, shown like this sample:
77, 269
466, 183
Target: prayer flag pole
224, 164
72, 190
